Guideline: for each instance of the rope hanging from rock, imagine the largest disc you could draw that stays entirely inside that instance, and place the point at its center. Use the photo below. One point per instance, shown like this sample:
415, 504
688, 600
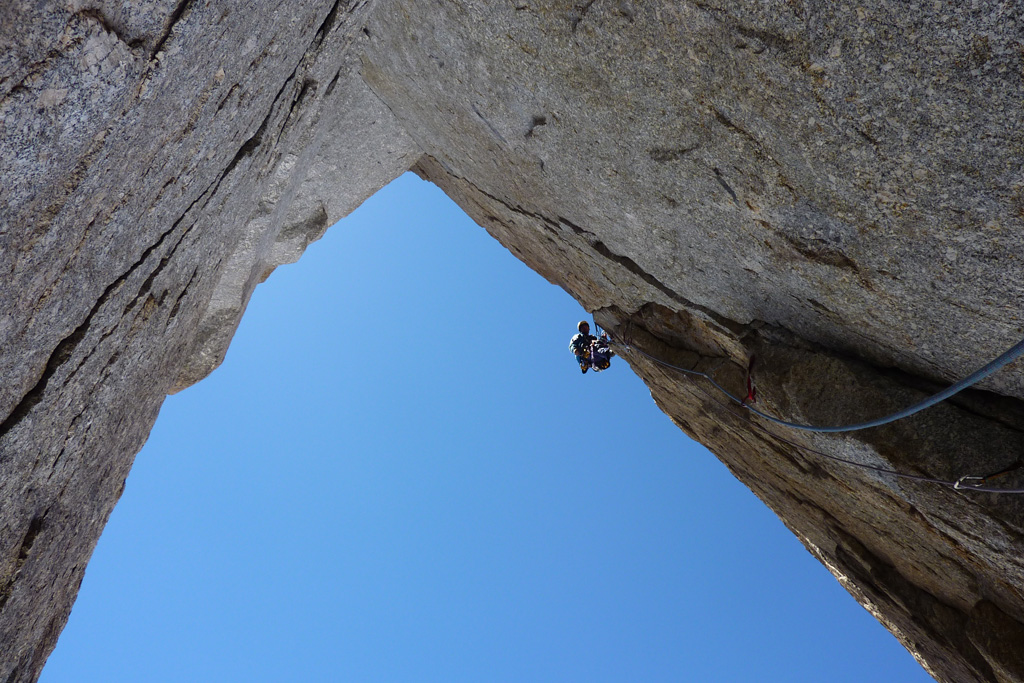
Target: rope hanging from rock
1011, 354
967, 482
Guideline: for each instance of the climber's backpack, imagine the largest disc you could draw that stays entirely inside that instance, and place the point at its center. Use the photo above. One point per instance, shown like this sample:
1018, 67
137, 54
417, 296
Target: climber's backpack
602, 356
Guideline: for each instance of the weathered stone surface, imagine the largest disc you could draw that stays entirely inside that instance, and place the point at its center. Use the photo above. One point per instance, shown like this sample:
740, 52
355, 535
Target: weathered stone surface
834, 188
133, 141
305, 196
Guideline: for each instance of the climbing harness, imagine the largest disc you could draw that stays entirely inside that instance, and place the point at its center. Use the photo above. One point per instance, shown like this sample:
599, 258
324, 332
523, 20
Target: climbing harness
601, 354
967, 482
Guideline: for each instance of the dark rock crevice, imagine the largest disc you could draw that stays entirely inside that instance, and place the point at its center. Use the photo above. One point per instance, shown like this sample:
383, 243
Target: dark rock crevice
35, 527
67, 346
178, 14
108, 25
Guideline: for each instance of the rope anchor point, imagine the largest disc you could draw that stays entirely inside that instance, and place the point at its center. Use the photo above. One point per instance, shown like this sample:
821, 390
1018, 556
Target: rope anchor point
964, 482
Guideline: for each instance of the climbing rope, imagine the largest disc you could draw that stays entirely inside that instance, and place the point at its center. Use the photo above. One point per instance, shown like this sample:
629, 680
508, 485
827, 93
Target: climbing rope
967, 482
1009, 356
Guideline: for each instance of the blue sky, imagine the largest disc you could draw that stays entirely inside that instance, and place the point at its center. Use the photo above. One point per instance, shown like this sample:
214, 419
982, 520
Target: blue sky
399, 474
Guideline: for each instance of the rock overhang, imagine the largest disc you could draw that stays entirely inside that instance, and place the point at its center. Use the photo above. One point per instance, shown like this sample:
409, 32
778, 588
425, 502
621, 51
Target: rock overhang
836, 190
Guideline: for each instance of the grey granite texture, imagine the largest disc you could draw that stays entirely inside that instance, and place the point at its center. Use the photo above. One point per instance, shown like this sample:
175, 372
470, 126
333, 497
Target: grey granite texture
835, 188
143, 149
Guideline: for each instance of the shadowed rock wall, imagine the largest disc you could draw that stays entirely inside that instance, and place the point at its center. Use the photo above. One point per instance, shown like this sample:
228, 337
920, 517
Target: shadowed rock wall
835, 189
157, 160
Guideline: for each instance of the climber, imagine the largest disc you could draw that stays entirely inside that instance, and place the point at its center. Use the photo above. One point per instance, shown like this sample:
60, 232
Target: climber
591, 351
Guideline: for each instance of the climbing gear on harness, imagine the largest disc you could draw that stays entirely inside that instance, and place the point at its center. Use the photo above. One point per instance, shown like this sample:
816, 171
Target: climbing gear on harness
602, 354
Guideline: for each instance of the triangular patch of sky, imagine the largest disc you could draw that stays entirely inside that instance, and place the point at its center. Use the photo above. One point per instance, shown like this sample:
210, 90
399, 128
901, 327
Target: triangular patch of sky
400, 474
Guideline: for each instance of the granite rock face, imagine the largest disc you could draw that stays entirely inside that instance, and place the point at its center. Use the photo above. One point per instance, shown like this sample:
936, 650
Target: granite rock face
836, 189
156, 161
